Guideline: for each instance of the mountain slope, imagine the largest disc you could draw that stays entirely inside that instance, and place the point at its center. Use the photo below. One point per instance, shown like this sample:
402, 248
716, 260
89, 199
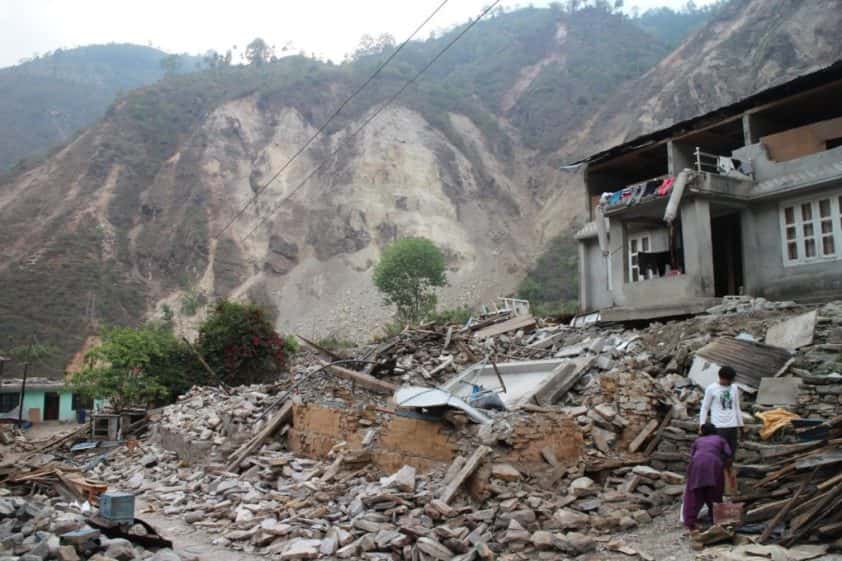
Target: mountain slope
131, 215
45, 101
747, 46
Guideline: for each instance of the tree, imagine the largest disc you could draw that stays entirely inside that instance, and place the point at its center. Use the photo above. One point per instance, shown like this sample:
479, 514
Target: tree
170, 64
259, 52
240, 344
136, 367
369, 45
408, 273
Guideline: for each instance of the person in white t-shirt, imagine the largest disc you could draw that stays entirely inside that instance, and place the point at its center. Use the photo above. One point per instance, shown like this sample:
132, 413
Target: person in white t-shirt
722, 405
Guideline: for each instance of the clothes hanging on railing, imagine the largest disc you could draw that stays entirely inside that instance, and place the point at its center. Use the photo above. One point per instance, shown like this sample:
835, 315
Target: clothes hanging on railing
637, 193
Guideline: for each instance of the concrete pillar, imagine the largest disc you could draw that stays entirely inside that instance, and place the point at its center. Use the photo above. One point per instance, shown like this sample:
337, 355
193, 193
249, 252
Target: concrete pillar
680, 156
584, 296
698, 245
617, 260
755, 126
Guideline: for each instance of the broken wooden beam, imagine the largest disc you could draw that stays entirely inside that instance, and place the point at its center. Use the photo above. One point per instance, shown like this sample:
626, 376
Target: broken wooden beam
281, 418
365, 380
657, 437
470, 467
641, 437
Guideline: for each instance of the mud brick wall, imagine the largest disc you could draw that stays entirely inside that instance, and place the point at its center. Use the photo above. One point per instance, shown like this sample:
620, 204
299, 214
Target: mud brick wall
533, 433
635, 396
399, 441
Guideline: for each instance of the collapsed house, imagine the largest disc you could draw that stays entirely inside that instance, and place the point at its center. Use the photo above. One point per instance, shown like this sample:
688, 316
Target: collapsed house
745, 199
394, 451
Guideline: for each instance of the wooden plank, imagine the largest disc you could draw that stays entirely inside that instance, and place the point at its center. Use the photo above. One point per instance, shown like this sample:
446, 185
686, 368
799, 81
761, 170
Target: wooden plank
643, 435
764, 512
770, 527
283, 417
365, 380
778, 450
470, 467
566, 376
657, 438
520, 322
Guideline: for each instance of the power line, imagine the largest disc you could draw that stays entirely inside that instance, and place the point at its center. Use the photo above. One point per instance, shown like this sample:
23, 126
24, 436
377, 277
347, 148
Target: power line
329, 119
374, 116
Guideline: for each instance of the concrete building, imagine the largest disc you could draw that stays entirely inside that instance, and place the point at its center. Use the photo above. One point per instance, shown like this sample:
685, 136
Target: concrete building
43, 400
746, 199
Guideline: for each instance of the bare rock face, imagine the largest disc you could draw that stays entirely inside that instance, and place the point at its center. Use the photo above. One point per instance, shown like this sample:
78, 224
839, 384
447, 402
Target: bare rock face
747, 47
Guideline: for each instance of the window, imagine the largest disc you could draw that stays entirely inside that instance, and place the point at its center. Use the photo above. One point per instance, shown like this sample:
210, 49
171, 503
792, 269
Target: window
812, 230
9, 401
636, 245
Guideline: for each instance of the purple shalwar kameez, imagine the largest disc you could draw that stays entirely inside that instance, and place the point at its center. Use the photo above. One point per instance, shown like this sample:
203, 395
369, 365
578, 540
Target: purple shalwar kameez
705, 478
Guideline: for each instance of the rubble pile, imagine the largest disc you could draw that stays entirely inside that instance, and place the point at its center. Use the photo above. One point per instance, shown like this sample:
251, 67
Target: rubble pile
296, 470
301, 508
37, 528
743, 304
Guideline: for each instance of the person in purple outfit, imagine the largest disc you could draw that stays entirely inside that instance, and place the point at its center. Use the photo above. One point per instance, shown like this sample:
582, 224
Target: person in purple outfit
705, 478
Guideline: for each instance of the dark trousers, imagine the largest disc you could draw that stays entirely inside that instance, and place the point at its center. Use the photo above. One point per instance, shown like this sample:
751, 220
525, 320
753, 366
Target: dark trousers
694, 499
730, 436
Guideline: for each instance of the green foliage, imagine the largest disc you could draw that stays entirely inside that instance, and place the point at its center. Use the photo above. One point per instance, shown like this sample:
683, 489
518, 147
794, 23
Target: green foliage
673, 26
408, 272
552, 284
167, 313
136, 367
32, 352
459, 316
44, 101
191, 301
240, 344
291, 345
334, 343
258, 52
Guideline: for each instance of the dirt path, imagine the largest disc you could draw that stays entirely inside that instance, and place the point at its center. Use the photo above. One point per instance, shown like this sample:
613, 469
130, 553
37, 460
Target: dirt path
190, 542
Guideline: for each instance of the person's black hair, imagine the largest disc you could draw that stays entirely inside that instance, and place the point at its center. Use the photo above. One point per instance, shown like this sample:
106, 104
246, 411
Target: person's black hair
727, 373
708, 429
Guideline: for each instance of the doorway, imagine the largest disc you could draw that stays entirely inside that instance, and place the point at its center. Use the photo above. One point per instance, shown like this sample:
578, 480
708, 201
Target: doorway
51, 401
727, 253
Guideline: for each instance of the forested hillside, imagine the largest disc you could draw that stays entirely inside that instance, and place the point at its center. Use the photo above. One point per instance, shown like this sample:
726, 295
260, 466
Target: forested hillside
44, 101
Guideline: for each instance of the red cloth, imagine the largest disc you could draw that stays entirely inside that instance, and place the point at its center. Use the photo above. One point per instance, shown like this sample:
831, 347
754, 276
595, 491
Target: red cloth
665, 187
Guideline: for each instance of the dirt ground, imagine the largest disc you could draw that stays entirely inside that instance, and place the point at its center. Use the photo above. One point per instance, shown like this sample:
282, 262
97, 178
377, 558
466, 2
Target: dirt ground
189, 542
666, 540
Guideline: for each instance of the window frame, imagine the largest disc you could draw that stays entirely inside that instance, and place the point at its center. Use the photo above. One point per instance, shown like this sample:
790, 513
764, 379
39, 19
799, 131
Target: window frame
15, 395
815, 222
632, 266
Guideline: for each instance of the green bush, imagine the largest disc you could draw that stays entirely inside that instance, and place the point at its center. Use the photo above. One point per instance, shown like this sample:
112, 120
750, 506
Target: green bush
240, 344
137, 367
191, 301
459, 315
334, 343
407, 274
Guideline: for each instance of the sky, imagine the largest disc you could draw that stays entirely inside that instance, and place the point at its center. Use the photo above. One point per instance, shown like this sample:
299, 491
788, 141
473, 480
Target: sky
328, 28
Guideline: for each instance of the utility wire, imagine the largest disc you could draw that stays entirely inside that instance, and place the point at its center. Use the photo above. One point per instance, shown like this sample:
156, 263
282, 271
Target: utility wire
329, 119
373, 116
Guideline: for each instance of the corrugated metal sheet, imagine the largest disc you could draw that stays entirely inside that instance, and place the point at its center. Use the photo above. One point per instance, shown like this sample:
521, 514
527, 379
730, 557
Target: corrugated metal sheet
752, 361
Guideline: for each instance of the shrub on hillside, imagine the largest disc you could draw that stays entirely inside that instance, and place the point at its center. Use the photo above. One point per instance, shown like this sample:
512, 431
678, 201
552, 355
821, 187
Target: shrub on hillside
137, 367
240, 344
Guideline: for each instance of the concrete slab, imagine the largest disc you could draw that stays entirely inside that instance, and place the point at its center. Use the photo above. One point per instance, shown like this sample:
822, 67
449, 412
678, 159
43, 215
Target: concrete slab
779, 391
793, 333
522, 380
